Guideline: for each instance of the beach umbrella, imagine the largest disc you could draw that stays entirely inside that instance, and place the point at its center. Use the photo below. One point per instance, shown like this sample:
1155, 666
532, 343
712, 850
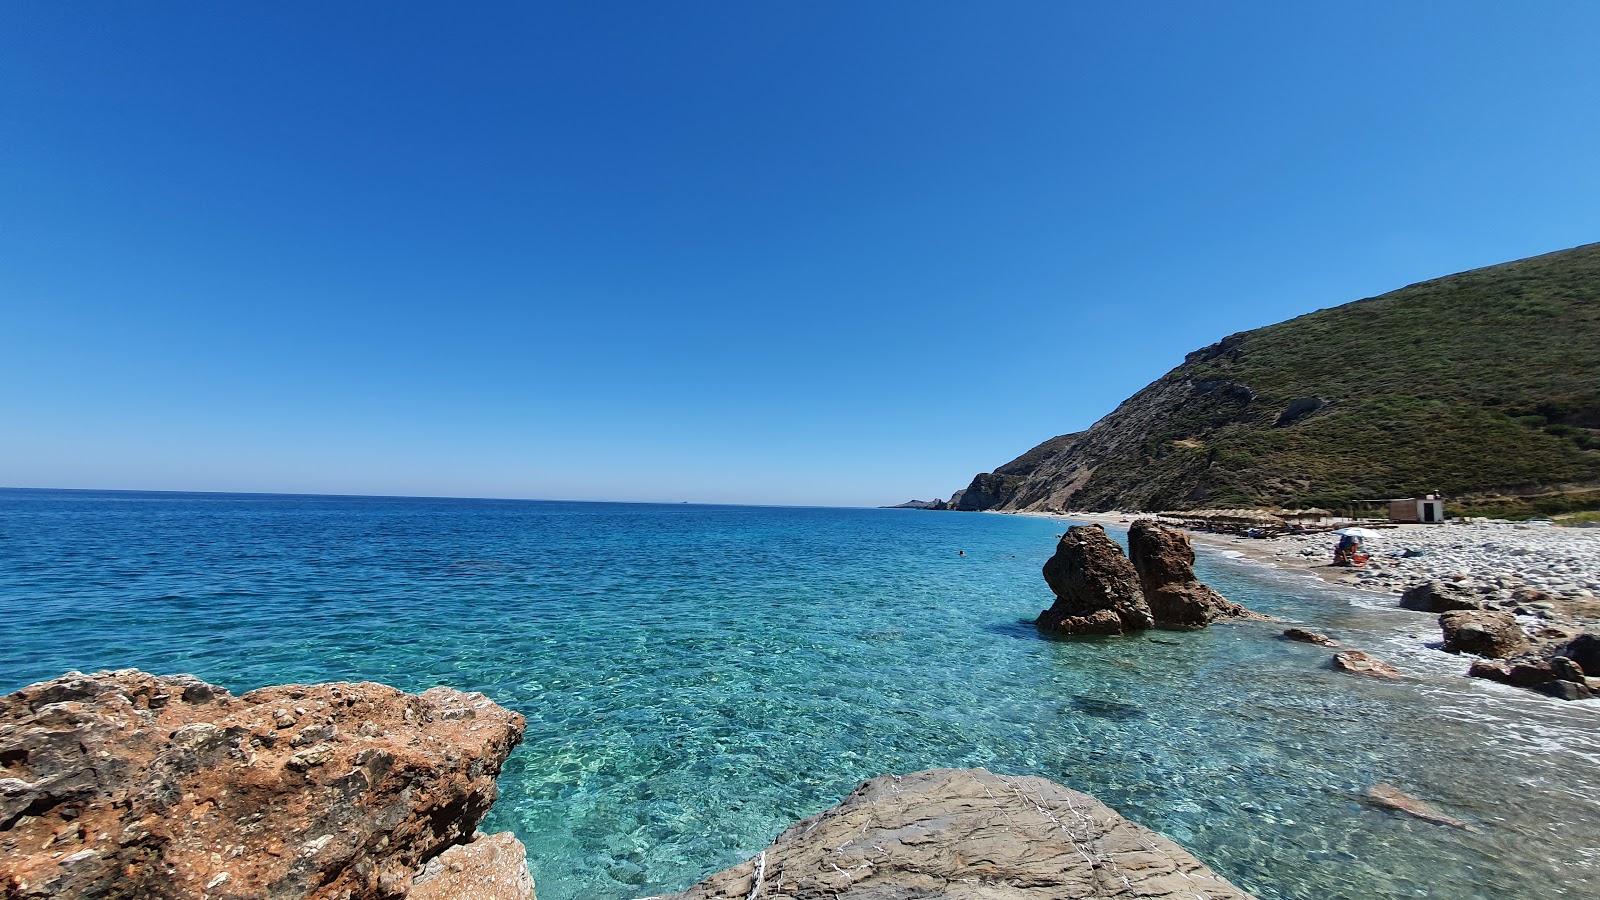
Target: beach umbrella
1358, 532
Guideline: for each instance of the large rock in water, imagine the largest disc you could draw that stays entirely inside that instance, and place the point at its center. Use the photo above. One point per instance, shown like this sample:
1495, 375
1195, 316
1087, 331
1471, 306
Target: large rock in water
128, 785
1482, 633
1164, 559
1097, 590
966, 834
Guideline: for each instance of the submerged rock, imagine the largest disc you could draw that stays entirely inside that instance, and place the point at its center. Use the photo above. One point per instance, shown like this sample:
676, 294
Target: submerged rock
124, 784
966, 834
1097, 590
1164, 560
1391, 797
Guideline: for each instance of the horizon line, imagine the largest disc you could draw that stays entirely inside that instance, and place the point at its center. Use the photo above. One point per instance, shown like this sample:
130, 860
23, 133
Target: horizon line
428, 497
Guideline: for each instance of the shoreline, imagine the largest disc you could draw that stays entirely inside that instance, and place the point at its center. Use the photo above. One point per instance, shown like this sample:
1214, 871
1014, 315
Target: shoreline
1510, 552
1547, 576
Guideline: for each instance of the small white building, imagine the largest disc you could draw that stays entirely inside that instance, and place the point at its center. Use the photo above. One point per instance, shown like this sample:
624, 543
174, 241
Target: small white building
1417, 510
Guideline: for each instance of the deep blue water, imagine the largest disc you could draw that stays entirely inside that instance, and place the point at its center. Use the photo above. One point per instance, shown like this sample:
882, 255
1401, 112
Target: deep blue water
697, 677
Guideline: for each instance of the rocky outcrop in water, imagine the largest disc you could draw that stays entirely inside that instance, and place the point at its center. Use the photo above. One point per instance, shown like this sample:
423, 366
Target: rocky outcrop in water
1309, 637
1164, 559
1101, 591
129, 785
1482, 633
1357, 662
1556, 668
966, 834
1097, 590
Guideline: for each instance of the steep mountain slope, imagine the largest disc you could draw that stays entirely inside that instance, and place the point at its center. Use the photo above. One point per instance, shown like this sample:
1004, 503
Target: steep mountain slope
1484, 385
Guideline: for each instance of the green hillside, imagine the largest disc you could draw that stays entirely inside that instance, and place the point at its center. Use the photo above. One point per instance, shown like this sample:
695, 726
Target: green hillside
1484, 385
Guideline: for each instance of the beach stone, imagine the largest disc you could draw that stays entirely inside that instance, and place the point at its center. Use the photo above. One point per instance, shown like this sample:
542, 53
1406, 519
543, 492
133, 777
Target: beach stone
1163, 557
1438, 597
1357, 662
1097, 589
1482, 633
130, 785
1309, 637
966, 834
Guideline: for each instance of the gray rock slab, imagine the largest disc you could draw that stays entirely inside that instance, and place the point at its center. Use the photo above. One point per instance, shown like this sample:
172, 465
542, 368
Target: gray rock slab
965, 834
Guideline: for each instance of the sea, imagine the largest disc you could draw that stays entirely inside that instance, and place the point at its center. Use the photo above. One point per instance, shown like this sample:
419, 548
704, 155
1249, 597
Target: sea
696, 678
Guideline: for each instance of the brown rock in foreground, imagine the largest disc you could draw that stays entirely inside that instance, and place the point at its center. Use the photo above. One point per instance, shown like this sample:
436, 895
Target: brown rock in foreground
1097, 590
1164, 559
124, 784
966, 834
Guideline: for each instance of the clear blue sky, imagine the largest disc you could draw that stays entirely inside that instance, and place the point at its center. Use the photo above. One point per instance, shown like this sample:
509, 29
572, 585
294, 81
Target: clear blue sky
812, 253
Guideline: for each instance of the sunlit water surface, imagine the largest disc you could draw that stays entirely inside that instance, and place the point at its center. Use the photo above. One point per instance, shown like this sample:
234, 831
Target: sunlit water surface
695, 678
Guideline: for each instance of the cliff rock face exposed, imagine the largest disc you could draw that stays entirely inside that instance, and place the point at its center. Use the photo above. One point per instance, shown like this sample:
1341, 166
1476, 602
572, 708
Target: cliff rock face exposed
1097, 590
1164, 559
966, 834
128, 785
1352, 402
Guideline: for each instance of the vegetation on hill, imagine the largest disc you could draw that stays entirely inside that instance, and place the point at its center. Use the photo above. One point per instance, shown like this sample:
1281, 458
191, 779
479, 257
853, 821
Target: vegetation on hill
1483, 385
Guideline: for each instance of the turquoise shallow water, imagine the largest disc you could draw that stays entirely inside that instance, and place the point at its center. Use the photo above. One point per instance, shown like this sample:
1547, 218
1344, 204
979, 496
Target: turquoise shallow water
695, 678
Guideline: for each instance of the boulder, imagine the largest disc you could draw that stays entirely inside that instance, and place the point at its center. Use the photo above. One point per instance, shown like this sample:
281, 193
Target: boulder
1164, 560
124, 784
1309, 637
966, 834
1565, 669
1482, 633
1523, 673
1358, 663
1585, 651
1439, 597
1097, 590
1566, 690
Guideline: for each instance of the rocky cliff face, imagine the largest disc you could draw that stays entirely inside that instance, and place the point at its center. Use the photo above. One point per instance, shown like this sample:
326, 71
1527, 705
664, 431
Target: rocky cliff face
966, 834
1391, 396
129, 785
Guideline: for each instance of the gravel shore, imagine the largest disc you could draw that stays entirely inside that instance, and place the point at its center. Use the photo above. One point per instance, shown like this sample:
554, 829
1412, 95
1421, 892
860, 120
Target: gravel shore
1494, 559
